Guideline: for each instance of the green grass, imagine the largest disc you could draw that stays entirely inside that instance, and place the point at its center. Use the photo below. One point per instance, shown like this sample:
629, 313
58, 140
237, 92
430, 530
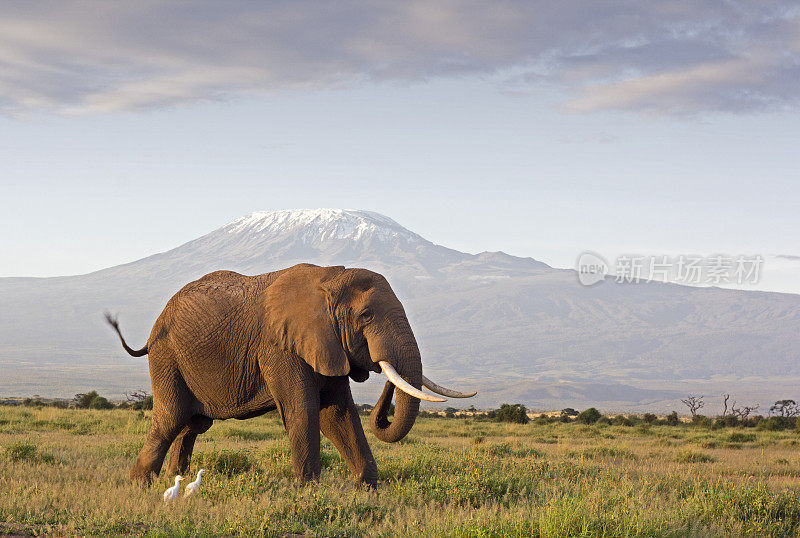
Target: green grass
64, 472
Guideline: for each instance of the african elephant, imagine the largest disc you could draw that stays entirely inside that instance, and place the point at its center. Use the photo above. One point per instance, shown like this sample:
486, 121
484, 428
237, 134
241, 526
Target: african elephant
235, 346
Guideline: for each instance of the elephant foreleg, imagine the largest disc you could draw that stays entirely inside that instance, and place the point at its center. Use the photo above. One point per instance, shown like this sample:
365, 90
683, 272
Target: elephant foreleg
339, 421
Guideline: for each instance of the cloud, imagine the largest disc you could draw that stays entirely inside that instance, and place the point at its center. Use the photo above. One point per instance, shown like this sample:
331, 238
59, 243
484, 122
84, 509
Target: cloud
656, 57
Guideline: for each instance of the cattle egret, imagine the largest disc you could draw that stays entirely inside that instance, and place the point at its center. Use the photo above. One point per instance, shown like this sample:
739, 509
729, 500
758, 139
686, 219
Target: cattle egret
194, 487
172, 493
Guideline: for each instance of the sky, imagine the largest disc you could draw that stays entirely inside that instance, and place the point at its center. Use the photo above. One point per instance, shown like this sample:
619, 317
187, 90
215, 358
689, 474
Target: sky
542, 129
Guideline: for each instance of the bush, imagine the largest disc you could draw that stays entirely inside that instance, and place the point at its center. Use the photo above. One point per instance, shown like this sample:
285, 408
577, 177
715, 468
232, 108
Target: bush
673, 419
514, 413
100, 403
689, 456
33, 402
620, 420
730, 421
650, 418
741, 437
145, 403
227, 462
91, 400
82, 401
22, 451
702, 420
776, 424
589, 416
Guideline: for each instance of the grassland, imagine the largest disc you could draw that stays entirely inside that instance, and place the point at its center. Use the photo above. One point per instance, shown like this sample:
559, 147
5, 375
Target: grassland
64, 472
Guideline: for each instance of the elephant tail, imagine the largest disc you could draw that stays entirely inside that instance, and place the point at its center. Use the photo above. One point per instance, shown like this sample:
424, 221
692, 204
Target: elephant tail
112, 320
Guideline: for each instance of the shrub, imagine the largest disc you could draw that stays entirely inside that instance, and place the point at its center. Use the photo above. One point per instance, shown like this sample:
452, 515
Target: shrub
741, 437
515, 413
227, 462
91, 400
100, 403
689, 456
650, 418
753, 421
83, 400
144, 403
603, 452
776, 423
702, 420
730, 421
673, 419
22, 451
621, 420
589, 416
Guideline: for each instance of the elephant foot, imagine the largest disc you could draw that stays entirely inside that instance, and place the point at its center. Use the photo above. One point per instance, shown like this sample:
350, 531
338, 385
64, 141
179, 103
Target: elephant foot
367, 485
142, 476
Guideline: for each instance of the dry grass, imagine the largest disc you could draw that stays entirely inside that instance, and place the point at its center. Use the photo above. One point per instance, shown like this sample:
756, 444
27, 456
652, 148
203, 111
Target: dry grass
64, 472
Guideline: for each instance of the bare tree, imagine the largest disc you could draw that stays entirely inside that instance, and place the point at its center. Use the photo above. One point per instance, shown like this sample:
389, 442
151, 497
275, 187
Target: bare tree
742, 412
136, 396
725, 405
694, 403
785, 408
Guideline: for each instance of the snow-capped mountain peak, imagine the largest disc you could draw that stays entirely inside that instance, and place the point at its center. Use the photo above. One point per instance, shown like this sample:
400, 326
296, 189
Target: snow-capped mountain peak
264, 241
324, 224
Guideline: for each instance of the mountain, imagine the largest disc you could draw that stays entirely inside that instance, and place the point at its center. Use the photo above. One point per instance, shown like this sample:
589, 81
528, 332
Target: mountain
515, 329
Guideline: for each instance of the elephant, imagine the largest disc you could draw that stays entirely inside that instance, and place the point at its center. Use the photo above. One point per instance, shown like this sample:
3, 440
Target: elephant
234, 346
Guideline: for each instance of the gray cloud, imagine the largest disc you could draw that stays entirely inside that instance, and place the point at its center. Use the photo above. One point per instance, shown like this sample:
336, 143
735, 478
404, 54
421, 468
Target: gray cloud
655, 57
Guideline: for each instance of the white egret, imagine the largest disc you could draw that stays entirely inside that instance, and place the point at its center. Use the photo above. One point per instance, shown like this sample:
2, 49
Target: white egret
194, 487
172, 493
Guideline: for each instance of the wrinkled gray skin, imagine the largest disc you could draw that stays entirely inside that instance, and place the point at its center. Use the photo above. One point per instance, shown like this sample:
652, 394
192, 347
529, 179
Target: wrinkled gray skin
234, 346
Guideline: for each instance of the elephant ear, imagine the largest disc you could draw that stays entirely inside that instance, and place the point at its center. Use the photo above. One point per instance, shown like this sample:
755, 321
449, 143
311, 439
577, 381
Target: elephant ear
300, 317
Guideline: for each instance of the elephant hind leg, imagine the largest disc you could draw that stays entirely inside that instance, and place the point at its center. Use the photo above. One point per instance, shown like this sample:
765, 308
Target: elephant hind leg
180, 456
150, 459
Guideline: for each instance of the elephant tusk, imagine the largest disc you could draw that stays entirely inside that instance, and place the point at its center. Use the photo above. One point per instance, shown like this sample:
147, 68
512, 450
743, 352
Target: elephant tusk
444, 391
406, 387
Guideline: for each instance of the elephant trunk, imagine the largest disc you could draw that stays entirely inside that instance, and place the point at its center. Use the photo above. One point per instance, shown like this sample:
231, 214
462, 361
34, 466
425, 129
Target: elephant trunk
406, 406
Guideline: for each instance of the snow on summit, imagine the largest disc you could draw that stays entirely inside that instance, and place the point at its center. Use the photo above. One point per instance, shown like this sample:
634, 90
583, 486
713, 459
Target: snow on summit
322, 225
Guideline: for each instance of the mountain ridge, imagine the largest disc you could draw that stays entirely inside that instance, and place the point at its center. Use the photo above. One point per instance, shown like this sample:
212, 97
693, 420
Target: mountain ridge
547, 339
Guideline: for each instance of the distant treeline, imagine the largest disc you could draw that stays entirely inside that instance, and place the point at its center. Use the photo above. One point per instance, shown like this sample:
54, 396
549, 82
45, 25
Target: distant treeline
783, 414
138, 399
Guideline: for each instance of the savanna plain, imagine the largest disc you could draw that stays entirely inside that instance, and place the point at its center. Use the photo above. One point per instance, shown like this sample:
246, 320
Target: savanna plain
65, 472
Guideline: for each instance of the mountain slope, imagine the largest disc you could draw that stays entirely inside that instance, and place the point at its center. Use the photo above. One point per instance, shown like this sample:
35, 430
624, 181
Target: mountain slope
513, 328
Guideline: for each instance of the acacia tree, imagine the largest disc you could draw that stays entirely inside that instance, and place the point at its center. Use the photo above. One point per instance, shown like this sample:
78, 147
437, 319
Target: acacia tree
694, 403
785, 408
726, 397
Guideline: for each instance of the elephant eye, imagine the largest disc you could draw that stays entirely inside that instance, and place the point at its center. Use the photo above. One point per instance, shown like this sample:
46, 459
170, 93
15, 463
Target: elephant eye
366, 316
